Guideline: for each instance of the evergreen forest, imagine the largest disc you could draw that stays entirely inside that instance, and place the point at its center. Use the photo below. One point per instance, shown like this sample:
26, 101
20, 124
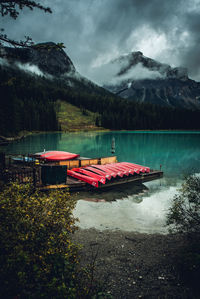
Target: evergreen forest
28, 102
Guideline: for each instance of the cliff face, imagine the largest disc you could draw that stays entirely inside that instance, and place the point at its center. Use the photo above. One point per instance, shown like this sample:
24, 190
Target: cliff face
129, 61
49, 58
163, 84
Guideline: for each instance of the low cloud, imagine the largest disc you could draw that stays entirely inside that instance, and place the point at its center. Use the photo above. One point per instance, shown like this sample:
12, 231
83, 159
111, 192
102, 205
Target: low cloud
107, 74
94, 30
3, 62
139, 72
30, 68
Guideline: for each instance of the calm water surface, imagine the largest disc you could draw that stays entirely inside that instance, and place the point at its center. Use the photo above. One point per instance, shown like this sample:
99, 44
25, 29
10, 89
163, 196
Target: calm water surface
142, 209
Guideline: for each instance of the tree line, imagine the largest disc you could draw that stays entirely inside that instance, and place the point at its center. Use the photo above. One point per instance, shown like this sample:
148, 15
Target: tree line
28, 103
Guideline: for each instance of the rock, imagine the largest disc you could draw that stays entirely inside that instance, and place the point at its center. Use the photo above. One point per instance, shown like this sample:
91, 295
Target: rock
143, 79
47, 56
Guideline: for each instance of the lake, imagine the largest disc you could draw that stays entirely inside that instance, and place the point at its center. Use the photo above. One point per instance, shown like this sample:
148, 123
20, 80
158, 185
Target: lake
131, 208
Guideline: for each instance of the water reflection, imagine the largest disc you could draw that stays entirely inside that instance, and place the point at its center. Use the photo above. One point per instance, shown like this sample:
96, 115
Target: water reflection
114, 193
35, 143
177, 152
149, 216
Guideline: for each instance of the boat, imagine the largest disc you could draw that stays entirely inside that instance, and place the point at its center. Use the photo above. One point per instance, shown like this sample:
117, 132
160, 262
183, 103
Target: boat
56, 156
114, 169
80, 173
23, 160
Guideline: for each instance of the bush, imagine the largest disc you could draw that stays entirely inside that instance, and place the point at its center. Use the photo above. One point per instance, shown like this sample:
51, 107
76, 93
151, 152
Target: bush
37, 257
184, 214
184, 217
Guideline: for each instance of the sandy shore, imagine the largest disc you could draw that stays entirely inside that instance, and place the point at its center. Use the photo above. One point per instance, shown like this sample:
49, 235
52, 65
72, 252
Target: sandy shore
133, 265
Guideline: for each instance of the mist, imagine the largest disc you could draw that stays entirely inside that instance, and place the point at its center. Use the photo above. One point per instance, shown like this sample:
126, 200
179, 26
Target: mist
31, 69
107, 74
95, 32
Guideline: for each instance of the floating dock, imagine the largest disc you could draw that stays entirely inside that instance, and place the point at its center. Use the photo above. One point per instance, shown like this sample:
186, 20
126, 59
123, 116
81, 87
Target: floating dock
78, 174
76, 185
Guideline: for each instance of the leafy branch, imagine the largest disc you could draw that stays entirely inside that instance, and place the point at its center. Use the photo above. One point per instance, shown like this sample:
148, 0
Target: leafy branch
12, 9
8, 7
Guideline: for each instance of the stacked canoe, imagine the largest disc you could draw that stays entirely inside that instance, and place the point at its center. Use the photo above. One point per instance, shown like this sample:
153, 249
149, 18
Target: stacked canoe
100, 174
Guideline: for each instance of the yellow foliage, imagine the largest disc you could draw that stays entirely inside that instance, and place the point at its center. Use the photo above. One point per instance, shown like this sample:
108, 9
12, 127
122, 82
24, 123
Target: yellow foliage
35, 242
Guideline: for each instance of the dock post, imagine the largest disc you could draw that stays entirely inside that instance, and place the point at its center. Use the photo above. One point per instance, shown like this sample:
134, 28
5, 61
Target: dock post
34, 177
113, 146
9, 161
2, 160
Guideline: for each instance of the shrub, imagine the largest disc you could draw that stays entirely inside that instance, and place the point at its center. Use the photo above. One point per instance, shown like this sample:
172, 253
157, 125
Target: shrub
184, 217
184, 214
37, 257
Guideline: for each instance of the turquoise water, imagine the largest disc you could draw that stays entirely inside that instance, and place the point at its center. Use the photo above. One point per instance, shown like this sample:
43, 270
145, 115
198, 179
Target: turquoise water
144, 210
177, 152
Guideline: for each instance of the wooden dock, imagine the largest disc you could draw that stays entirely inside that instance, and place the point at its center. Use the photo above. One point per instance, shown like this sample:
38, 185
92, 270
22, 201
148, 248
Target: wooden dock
77, 185
24, 172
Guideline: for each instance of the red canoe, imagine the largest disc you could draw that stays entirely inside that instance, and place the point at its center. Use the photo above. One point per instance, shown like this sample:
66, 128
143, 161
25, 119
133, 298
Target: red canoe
123, 170
106, 170
98, 171
127, 170
114, 169
100, 178
57, 156
92, 181
136, 167
95, 174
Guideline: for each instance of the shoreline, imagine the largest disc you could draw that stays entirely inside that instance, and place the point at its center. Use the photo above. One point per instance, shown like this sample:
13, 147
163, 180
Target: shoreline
23, 134
134, 265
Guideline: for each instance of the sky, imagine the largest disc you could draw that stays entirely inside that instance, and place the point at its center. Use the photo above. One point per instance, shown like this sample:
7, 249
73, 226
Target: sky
97, 31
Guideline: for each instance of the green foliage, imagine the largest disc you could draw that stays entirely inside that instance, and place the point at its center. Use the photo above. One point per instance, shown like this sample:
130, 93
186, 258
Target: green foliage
184, 217
72, 118
184, 214
37, 256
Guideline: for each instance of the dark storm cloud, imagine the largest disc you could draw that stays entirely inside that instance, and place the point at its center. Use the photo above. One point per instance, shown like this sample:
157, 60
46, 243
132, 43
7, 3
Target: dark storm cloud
95, 31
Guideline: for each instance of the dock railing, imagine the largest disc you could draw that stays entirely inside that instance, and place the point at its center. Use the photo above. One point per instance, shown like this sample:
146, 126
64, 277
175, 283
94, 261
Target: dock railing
21, 175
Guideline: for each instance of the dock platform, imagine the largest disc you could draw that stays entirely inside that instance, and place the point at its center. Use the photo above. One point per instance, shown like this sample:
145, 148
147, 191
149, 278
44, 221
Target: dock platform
77, 185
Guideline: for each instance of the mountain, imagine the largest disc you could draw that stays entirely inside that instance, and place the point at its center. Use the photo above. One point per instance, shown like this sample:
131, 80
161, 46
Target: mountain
139, 78
35, 80
33, 83
47, 57
50, 61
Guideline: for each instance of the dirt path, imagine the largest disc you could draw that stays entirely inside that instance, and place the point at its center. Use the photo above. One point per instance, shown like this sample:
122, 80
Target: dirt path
132, 265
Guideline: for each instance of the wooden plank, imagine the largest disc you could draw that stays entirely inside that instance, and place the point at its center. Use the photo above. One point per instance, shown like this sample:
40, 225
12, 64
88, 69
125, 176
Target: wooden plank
73, 164
89, 162
108, 160
70, 163
136, 178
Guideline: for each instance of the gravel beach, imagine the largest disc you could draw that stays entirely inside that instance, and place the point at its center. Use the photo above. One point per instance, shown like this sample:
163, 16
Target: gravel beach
134, 265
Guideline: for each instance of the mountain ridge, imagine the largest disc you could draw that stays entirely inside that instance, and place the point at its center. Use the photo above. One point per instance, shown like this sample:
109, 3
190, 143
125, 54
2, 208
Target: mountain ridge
167, 87
135, 76
49, 58
29, 98
164, 69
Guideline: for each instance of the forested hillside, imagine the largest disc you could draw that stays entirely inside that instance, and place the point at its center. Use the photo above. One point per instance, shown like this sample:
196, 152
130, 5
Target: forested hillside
28, 103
